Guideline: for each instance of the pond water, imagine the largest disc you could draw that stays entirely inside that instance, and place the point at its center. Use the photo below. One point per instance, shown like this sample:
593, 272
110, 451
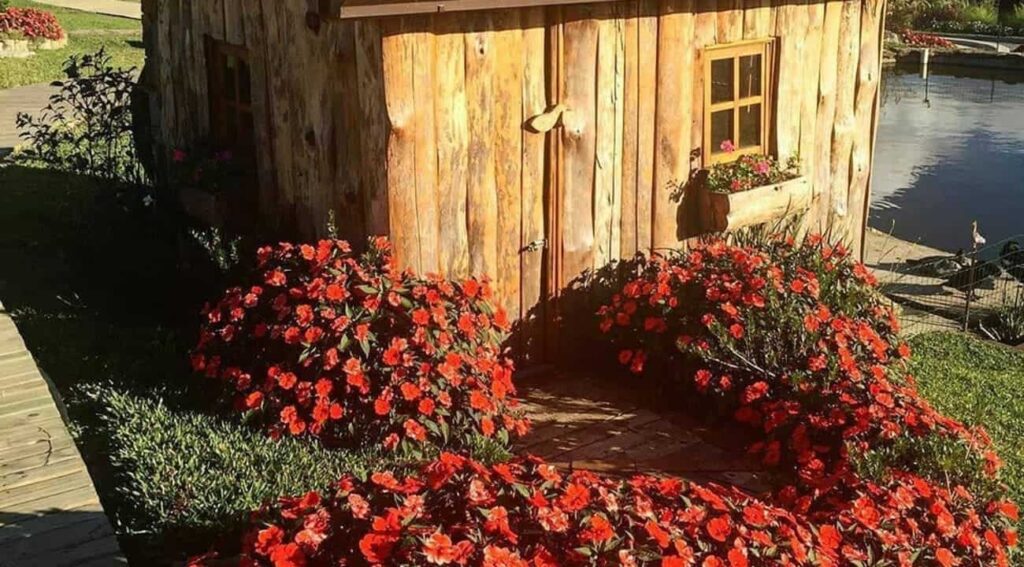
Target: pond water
950, 151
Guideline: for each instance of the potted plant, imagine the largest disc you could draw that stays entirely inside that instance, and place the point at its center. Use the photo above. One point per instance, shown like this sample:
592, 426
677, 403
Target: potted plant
204, 179
753, 189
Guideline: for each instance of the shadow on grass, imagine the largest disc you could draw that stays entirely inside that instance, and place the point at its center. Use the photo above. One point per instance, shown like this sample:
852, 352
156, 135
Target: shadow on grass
96, 291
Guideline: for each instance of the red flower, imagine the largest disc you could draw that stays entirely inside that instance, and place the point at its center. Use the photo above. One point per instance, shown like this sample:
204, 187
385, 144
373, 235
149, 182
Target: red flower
439, 550
719, 528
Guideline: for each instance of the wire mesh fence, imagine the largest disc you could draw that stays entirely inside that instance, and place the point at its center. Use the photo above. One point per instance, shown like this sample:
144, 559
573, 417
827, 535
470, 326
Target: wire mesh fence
980, 290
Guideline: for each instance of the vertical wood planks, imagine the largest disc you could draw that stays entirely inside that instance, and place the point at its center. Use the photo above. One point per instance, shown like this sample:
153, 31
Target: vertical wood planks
579, 135
630, 127
815, 15
842, 130
452, 146
370, 75
482, 203
826, 112
397, 49
867, 85
790, 27
533, 183
234, 24
349, 135
673, 128
605, 134
255, 40
647, 87
705, 34
507, 90
428, 221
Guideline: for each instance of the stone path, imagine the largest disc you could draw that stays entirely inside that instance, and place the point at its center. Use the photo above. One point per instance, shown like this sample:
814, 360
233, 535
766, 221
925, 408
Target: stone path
29, 99
584, 421
132, 10
49, 511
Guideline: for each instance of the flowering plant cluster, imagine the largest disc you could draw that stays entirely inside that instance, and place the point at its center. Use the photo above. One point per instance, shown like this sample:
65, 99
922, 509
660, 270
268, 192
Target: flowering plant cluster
349, 349
29, 23
748, 172
527, 514
210, 170
792, 340
917, 39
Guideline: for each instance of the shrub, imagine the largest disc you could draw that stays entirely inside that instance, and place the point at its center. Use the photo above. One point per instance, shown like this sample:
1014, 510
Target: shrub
748, 172
29, 23
1006, 322
792, 340
350, 350
86, 129
181, 471
456, 511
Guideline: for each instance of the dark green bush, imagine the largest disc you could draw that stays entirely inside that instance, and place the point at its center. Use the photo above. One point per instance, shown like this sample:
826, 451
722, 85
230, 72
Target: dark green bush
189, 471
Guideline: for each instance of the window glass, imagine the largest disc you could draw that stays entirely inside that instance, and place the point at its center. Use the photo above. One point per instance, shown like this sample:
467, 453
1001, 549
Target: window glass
230, 85
750, 126
722, 81
750, 75
244, 85
721, 129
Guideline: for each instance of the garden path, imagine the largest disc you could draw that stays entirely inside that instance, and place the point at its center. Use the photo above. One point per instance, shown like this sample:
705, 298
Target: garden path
121, 8
29, 98
49, 511
583, 421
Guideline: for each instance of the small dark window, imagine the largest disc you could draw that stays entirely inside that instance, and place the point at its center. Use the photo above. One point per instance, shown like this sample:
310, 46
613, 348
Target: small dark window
231, 124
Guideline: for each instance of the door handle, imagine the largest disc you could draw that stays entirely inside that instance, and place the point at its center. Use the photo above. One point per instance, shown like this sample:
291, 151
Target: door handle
535, 246
547, 120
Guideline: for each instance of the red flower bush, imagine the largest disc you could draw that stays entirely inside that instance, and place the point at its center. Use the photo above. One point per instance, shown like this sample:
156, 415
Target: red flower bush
526, 513
917, 39
349, 349
791, 339
30, 23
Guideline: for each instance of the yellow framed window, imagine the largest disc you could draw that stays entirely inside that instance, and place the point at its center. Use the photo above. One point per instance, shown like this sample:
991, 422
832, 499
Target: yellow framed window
738, 80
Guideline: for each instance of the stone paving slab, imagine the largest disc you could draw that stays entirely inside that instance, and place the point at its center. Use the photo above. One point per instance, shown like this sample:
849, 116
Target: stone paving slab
581, 420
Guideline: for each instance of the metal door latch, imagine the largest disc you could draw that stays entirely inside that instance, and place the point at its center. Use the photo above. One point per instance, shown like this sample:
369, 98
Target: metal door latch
535, 246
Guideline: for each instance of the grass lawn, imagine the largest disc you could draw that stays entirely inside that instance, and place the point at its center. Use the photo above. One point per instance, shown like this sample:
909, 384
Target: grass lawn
979, 383
87, 33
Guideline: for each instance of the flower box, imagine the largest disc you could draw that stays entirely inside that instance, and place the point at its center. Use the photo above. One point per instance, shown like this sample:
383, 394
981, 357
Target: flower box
203, 206
730, 211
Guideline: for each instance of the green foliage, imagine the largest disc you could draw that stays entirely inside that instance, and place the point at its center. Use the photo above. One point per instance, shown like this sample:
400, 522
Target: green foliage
186, 471
4, 4
984, 12
1006, 323
946, 460
979, 383
87, 126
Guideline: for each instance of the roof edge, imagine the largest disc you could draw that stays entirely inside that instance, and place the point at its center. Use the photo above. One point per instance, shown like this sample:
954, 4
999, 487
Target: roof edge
354, 9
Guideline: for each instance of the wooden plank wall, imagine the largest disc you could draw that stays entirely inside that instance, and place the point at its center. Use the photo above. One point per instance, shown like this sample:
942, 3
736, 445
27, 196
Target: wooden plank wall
412, 126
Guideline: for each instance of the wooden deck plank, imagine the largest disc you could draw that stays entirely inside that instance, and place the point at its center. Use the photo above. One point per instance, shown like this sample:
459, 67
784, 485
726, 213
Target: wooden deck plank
50, 513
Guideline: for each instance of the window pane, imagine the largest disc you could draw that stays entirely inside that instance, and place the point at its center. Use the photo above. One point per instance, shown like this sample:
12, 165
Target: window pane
722, 80
750, 126
721, 129
750, 75
230, 78
244, 86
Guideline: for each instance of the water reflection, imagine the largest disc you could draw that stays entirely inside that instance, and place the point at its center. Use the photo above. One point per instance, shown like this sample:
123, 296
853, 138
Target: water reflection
950, 150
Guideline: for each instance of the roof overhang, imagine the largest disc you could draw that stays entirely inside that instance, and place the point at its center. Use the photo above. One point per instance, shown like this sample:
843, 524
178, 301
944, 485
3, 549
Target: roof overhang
350, 9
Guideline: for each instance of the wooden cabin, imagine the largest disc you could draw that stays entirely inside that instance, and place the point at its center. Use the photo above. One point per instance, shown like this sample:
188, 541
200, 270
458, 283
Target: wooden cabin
528, 140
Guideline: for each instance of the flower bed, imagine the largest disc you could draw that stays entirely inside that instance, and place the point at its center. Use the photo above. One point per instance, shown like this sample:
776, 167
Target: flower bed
918, 39
787, 338
526, 513
753, 189
25, 29
352, 351
791, 340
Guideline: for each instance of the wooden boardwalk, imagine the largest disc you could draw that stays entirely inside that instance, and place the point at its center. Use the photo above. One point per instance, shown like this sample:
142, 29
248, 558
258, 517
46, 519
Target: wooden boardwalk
50, 514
